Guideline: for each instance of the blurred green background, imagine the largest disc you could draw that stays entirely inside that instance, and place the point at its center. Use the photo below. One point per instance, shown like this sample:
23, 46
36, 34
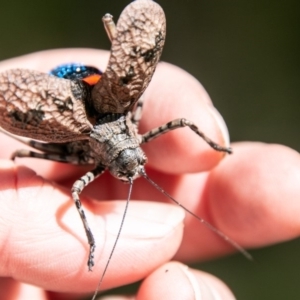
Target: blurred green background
245, 53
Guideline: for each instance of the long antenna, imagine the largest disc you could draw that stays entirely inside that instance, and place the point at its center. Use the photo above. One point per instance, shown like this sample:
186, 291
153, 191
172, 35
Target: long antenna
116, 241
208, 225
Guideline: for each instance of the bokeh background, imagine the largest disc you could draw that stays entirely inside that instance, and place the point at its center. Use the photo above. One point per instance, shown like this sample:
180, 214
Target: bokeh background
245, 53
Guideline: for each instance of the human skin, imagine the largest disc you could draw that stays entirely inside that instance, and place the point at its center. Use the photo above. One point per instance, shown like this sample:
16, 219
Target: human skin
251, 196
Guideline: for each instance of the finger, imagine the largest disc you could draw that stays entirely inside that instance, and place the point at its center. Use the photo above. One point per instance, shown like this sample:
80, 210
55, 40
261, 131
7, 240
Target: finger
252, 196
44, 244
176, 281
265, 185
172, 94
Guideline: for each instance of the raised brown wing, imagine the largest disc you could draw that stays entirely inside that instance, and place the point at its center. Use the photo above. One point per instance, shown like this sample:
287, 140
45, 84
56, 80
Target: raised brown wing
42, 107
135, 52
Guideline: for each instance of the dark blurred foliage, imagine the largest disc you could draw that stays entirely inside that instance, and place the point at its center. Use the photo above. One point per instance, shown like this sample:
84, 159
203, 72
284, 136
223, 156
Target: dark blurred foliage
245, 53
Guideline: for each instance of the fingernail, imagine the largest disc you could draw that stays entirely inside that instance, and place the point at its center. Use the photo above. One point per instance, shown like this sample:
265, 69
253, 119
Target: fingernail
146, 219
221, 124
202, 290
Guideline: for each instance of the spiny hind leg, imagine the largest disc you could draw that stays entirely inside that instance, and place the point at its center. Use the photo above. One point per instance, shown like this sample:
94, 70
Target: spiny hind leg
179, 123
71, 159
77, 188
77, 152
58, 148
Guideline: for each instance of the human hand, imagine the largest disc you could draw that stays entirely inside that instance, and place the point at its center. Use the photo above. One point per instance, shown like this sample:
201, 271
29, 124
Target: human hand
246, 196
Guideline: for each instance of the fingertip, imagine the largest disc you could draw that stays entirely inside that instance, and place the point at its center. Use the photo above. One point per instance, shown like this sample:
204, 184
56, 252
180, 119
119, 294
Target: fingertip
221, 126
212, 288
166, 282
176, 281
254, 194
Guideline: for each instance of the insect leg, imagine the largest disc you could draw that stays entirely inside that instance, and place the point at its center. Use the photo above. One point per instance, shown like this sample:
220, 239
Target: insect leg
76, 153
71, 159
109, 26
59, 148
179, 123
137, 114
53, 148
77, 188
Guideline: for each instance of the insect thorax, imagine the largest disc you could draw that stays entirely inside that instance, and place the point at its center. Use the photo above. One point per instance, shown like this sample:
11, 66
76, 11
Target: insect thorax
116, 145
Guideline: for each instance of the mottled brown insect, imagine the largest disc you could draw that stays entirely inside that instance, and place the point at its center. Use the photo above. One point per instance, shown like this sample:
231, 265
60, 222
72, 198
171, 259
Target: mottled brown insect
94, 125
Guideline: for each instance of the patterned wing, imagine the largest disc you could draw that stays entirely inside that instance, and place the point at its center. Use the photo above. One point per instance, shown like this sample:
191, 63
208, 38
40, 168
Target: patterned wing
42, 107
135, 52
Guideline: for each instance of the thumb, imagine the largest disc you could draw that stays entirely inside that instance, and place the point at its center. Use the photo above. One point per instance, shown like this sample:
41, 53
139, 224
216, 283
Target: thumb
43, 241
